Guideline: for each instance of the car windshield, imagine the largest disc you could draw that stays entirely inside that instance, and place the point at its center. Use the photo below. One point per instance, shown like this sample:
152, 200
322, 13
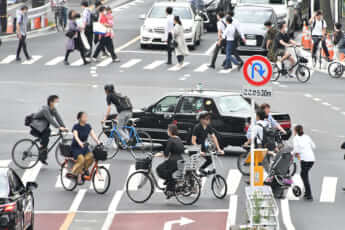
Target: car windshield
159, 12
4, 188
245, 15
263, 1
231, 104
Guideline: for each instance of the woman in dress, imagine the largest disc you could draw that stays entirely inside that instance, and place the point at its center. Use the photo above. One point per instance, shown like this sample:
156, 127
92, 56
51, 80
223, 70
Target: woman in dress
181, 49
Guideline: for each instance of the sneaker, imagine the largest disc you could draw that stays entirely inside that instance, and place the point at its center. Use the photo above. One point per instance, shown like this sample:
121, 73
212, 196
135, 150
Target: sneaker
94, 59
211, 66
116, 60
29, 58
168, 63
66, 62
239, 66
18, 59
308, 198
87, 62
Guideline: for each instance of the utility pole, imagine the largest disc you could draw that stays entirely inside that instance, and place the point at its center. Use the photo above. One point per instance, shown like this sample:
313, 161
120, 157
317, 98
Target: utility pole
3, 15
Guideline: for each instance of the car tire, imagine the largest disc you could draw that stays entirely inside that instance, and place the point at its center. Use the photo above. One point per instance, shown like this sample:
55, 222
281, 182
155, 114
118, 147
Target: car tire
143, 46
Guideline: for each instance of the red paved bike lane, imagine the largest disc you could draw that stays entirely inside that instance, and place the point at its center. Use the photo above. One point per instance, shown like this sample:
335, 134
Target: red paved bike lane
49, 221
171, 221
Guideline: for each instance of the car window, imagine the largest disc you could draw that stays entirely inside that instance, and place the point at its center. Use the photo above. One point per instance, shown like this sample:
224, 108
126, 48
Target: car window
230, 104
159, 12
245, 15
17, 185
192, 105
263, 1
166, 105
4, 186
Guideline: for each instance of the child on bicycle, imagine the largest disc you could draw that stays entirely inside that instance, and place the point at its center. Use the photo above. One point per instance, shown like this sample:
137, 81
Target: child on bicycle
81, 152
201, 132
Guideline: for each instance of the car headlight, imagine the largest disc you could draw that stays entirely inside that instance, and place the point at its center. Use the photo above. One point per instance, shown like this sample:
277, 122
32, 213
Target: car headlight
147, 29
188, 30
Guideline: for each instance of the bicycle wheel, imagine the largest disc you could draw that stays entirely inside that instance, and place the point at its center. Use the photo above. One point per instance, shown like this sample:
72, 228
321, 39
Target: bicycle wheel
336, 70
142, 144
242, 165
101, 180
139, 187
25, 153
219, 186
303, 73
60, 159
188, 192
69, 184
275, 72
110, 144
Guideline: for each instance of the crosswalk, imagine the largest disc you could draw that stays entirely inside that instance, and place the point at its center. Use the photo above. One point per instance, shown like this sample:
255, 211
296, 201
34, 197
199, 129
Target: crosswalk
132, 63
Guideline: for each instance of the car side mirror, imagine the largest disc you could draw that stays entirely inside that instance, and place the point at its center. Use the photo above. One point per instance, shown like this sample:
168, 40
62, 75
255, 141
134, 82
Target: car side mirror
142, 16
31, 186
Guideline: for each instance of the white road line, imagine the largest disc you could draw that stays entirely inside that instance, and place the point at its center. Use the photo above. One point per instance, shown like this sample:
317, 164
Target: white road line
105, 62
4, 163
177, 68
154, 65
316, 99
285, 209
308, 95
226, 71
275, 83
58, 183
130, 63
231, 221
32, 61
112, 210
328, 189
297, 181
100, 183
77, 200
134, 40
79, 62
210, 50
233, 180
202, 68
282, 86
31, 174
8, 59
335, 108
326, 104
55, 61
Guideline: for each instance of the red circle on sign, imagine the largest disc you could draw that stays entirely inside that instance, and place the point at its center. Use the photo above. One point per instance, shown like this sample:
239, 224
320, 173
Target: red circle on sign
268, 65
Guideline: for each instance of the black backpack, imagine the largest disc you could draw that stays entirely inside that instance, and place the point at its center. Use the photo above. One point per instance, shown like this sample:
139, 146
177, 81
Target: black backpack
268, 140
125, 102
28, 119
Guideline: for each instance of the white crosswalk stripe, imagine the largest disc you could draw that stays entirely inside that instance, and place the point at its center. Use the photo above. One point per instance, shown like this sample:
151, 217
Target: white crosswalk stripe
105, 62
154, 65
4, 163
177, 68
328, 189
233, 181
79, 62
31, 174
8, 59
130, 63
55, 61
32, 60
226, 71
202, 68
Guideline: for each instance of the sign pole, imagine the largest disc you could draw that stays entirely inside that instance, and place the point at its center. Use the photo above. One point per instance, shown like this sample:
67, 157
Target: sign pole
253, 133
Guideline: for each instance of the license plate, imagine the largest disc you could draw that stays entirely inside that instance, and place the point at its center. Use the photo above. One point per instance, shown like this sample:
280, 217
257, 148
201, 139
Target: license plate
251, 42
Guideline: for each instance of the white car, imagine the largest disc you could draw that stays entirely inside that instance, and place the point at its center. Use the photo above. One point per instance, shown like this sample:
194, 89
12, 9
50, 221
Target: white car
153, 30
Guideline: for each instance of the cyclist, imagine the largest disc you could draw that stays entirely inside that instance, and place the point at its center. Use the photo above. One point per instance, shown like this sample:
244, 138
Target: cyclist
201, 132
271, 121
48, 115
282, 42
123, 106
173, 153
318, 33
338, 40
81, 152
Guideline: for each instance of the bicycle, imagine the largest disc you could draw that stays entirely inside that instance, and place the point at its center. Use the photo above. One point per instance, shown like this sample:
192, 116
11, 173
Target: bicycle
25, 152
141, 184
302, 71
139, 140
100, 175
219, 185
59, 16
336, 69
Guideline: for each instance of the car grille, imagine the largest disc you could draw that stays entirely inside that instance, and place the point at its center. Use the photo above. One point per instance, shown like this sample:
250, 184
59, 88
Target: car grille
159, 30
259, 39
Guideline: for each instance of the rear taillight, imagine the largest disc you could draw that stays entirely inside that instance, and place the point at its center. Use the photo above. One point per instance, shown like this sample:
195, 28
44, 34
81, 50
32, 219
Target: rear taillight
11, 207
285, 124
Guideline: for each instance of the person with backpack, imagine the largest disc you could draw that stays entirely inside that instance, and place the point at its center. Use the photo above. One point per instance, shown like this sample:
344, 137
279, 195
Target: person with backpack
270, 36
87, 25
271, 121
221, 25
239, 35
338, 41
318, 34
123, 106
41, 121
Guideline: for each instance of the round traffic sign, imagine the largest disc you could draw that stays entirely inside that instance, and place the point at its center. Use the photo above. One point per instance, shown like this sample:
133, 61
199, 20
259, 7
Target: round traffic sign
257, 70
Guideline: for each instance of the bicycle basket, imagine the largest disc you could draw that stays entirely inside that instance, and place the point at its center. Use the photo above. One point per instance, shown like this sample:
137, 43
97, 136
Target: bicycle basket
303, 60
65, 150
67, 138
143, 163
99, 153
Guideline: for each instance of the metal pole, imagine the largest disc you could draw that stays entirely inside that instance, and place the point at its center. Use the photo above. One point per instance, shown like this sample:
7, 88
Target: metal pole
253, 133
312, 7
336, 15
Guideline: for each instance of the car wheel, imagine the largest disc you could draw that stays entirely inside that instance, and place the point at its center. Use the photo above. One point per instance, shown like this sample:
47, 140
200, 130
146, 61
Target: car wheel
143, 46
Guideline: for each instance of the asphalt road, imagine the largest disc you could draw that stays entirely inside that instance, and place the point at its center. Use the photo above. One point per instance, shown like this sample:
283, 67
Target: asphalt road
143, 76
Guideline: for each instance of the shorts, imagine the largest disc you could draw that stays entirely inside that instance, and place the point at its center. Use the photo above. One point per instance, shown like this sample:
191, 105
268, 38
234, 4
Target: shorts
281, 52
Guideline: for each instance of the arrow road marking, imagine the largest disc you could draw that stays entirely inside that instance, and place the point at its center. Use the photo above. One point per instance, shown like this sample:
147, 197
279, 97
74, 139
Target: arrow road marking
182, 221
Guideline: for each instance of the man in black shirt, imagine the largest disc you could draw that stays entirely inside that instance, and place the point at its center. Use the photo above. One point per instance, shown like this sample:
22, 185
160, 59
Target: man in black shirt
201, 132
123, 107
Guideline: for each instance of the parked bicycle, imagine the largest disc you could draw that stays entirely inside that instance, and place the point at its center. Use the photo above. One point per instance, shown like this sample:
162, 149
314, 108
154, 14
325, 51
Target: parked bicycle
25, 153
139, 141
336, 69
141, 184
99, 175
302, 70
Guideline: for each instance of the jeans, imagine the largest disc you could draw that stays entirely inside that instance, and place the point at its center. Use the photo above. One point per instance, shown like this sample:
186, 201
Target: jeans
89, 36
180, 59
235, 52
44, 141
83, 163
316, 41
229, 59
169, 49
122, 119
22, 44
305, 168
105, 42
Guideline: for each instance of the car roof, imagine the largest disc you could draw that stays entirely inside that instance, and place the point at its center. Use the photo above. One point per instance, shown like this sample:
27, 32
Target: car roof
172, 4
204, 93
254, 6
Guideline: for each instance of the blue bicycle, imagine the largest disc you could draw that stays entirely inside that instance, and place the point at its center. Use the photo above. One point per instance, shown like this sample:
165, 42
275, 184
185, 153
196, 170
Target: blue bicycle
140, 142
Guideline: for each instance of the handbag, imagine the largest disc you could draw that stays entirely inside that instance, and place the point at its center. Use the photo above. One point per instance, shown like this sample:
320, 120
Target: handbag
99, 28
70, 34
173, 44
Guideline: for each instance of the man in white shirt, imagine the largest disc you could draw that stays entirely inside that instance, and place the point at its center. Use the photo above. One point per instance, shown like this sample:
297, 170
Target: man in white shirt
169, 29
258, 130
221, 25
318, 33
87, 24
239, 34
